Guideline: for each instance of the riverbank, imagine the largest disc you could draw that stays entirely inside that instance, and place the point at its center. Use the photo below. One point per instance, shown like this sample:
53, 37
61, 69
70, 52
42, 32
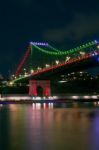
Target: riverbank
51, 99
46, 101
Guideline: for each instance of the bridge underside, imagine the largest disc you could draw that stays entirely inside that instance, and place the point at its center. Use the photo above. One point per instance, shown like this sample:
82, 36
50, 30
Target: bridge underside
54, 74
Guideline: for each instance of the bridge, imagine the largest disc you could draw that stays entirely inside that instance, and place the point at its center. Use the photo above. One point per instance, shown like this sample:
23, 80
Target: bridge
34, 70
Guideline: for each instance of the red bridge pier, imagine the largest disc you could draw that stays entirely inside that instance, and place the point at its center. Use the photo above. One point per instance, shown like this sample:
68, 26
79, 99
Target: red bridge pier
44, 84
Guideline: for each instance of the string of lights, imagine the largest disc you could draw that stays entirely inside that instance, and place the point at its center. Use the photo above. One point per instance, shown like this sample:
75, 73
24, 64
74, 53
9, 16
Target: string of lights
49, 50
74, 60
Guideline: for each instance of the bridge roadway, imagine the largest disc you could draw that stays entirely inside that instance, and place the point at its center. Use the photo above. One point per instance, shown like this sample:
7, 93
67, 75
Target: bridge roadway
76, 64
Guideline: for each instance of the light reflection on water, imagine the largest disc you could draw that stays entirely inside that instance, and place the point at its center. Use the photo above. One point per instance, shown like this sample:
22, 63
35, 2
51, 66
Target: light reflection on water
44, 105
71, 126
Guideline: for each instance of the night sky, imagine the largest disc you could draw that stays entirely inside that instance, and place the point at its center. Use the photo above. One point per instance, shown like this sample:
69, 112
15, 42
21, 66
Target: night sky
62, 23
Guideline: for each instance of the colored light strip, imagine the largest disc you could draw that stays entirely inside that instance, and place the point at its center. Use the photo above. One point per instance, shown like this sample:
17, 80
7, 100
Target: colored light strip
55, 52
39, 43
78, 59
23, 61
66, 52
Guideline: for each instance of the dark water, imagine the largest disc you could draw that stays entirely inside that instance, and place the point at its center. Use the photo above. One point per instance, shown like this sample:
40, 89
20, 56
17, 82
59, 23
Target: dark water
49, 127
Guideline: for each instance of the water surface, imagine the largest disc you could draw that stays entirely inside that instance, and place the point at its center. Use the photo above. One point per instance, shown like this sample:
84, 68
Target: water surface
49, 126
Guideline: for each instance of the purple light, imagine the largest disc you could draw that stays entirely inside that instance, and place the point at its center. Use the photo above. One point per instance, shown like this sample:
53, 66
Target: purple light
92, 54
96, 41
98, 59
96, 53
39, 43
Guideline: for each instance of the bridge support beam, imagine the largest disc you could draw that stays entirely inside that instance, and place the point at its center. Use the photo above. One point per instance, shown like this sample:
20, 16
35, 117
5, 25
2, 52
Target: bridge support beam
44, 84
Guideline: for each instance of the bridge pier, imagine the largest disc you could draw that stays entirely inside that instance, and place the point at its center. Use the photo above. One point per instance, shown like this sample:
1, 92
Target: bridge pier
44, 84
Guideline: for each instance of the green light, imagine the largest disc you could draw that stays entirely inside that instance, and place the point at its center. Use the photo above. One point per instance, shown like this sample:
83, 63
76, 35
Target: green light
58, 52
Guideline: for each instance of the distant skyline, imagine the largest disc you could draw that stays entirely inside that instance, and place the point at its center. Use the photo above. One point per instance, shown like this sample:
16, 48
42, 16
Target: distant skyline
62, 23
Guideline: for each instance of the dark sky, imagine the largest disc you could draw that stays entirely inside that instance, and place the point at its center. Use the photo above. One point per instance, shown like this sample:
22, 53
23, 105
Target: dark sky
63, 23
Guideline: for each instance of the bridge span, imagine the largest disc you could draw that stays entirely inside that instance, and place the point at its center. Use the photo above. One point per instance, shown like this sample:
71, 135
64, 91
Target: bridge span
77, 59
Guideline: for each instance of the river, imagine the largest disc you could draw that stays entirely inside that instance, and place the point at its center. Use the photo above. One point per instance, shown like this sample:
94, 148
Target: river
51, 126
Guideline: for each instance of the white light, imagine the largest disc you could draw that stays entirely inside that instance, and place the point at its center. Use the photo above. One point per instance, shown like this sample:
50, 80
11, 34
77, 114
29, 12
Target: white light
44, 97
1, 105
13, 75
98, 46
11, 83
26, 74
75, 97
38, 98
49, 97
86, 97
33, 106
32, 71
94, 96
55, 97
57, 62
51, 105
82, 53
62, 81
37, 106
39, 68
47, 65
44, 105
67, 58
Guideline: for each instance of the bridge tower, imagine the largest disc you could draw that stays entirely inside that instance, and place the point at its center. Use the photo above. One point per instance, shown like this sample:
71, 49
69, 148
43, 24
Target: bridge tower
44, 84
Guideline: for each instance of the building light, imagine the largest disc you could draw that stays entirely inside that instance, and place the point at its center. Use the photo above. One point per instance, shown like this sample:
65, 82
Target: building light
11, 83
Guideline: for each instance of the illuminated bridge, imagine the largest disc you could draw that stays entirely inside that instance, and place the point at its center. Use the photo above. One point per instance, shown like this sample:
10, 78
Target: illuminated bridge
42, 63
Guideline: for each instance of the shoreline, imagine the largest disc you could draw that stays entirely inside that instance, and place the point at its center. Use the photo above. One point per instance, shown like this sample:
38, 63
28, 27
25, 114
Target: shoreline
26, 99
46, 101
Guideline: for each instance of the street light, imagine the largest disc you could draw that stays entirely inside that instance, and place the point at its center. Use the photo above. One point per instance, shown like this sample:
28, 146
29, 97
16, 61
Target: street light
47, 65
82, 53
67, 58
26, 74
39, 68
11, 83
31, 70
57, 62
98, 46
